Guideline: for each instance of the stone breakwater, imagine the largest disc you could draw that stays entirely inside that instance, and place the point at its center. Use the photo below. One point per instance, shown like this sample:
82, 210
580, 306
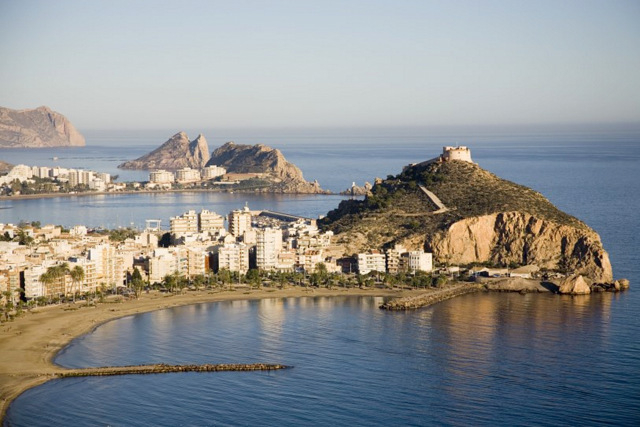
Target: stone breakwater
432, 297
163, 369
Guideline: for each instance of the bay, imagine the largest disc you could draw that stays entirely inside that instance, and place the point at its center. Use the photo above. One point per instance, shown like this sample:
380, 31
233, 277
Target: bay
476, 360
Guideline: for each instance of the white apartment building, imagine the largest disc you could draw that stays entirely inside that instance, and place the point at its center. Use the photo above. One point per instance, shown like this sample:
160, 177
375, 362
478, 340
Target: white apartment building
268, 246
210, 222
420, 261
104, 256
186, 223
213, 171
187, 175
233, 257
240, 221
373, 261
161, 177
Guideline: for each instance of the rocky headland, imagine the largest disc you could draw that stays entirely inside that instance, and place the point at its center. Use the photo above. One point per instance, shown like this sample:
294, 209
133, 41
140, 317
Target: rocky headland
5, 167
466, 215
37, 128
269, 163
176, 153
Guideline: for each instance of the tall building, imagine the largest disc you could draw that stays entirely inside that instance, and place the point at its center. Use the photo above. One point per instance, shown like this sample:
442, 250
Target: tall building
184, 224
239, 221
420, 261
374, 261
187, 175
161, 176
233, 257
210, 221
213, 171
268, 246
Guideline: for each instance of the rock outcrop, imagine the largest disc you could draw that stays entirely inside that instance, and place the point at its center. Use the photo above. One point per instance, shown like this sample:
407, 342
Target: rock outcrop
487, 220
356, 190
285, 177
520, 238
178, 152
574, 285
37, 128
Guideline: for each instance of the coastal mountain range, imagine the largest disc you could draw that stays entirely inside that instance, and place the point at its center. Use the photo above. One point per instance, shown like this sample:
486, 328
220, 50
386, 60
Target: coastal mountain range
37, 128
266, 163
466, 215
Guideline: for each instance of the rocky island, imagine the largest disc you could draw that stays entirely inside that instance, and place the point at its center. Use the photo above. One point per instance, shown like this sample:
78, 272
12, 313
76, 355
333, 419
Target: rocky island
267, 163
257, 168
466, 215
177, 152
37, 128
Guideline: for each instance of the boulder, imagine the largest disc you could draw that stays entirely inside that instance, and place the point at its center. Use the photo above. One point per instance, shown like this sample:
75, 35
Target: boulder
574, 285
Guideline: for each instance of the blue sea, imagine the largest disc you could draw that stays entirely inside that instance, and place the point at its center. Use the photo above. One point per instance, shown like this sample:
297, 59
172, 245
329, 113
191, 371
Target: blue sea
483, 359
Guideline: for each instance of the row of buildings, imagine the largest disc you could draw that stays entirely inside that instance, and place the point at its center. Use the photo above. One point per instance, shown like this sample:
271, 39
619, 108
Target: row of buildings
201, 243
97, 181
164, 178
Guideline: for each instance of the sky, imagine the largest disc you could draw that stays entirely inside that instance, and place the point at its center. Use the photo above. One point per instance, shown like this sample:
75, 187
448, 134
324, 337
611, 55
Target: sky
244, 64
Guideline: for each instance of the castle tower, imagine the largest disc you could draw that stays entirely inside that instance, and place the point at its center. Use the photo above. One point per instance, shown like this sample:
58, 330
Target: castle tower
456, 153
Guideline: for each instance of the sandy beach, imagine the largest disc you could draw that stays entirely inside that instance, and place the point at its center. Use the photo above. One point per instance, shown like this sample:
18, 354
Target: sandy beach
29, 343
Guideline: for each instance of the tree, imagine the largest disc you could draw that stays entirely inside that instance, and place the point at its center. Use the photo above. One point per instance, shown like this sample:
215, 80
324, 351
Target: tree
53, 278
137, 282
253, 277
77, 276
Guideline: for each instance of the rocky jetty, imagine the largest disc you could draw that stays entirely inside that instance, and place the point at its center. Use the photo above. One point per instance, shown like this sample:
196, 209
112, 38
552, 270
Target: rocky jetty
176, 153
431, 297
37, 128
487, 220
164, 369
267, 162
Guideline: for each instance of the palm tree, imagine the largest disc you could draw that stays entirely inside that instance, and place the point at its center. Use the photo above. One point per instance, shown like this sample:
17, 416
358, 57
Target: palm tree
54, 276
77, 276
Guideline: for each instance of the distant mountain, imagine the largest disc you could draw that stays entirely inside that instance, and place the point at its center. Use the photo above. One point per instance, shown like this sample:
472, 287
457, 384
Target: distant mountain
285, 177
178, 152
37, 128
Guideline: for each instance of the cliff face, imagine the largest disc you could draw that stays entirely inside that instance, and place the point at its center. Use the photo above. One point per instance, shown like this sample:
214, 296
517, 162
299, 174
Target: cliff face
37, 128
178, 152
519, 238
285, 177
465, 215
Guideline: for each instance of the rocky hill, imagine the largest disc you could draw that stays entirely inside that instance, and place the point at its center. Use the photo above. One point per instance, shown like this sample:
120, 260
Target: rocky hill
37, 128
464, 215
5, 167
178, 152
285, 177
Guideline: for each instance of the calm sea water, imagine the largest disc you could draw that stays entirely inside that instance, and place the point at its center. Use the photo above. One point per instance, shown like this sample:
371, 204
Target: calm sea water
476, 360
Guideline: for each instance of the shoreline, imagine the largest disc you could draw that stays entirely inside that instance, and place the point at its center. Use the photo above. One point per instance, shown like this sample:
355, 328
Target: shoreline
127, 192
30, 342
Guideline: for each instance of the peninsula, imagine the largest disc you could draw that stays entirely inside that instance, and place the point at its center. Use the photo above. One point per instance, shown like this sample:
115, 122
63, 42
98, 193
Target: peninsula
37, 128
467, 216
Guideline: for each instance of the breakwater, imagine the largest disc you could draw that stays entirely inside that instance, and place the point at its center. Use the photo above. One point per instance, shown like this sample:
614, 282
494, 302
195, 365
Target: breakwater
430, 297
164, 368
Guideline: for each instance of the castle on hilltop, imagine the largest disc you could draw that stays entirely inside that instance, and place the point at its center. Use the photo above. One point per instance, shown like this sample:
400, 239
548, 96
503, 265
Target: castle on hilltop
456, 153
460, 152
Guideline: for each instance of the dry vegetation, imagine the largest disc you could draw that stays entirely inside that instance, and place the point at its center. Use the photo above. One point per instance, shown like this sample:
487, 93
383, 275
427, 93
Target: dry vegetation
398, 211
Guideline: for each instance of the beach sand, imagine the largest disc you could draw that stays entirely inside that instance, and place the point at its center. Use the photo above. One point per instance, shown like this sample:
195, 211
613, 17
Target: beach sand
29, 343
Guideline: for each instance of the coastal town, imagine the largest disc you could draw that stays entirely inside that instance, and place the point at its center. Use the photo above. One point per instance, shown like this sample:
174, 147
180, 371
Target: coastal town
23, 180
40, 264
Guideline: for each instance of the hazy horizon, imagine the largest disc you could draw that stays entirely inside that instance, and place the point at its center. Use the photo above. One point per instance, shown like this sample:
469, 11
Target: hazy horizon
290, 64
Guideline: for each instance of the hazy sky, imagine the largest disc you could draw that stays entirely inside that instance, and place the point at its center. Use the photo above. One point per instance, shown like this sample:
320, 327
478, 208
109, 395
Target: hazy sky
208, 64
